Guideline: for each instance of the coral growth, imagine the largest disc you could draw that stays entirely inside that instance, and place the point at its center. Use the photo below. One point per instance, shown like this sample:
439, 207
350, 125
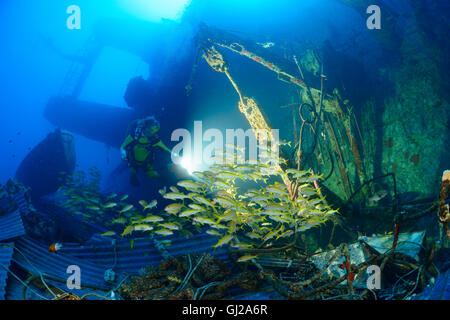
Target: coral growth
388, 143
175, 279
415, 159
444, 212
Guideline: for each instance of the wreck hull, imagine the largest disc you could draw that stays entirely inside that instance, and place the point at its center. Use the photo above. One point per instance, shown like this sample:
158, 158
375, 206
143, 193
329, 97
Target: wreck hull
42, 168
99, 122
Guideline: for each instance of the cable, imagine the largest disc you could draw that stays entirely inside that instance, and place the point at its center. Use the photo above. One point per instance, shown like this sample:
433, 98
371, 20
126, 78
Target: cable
372, 180
311, 123
93, 294
46, 286
189, 270
417, 282
41, 275
22, 282
204, 288
189, 274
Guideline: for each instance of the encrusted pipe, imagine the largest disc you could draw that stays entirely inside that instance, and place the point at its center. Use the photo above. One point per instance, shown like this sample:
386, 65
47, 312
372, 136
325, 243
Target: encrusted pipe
444, 212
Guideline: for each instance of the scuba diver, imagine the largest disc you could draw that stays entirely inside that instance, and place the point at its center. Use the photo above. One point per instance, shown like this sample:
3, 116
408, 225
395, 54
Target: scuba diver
138, 149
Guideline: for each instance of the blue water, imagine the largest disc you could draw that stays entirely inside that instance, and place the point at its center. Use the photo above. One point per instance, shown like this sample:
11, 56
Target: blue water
32, 71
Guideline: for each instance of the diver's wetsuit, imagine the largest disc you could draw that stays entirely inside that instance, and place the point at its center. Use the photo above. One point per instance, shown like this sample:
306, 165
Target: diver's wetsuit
139, 155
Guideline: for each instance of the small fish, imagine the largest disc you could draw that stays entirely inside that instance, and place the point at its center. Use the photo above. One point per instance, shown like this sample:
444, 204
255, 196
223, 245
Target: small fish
127, 230
143, 203
196, 207
275, 208
146, 205
278, 219
120, 221
226, 202
246, 258
164, 232
166, 242
55, 247
203, 200
225, 194
229, 175
142, 227
109, 205
227, 216
173, 208
224, 240
313, 203
94, 201
276, 189
204, 220
288, 233
260, 198
170, 226
190, 185
255, 177
151, 205
213, 232
162, 191
124, 197
79, 213
174, 279
222, 184
150, 219
112, 196
218, 227
253, 235
300, 173
308, 191
108, 234
266, 45
175, 196
270, 235
188, 213
377, 197
241, 246
244, 168
201, 175
312, 224
94, 208
127, 208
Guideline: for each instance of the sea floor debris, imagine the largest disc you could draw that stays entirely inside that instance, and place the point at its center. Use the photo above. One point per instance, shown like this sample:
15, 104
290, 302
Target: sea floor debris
187, 277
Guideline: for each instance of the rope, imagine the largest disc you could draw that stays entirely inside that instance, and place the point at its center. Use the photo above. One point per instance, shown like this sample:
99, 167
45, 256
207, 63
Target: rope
94, 294
311, 124
22, 282
417, 282
41, 274
204, 288
193, 72
46, 286
189, 274
373, 180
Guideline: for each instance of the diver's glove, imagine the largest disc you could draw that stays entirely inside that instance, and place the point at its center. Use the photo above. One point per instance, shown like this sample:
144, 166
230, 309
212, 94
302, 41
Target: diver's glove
123, 154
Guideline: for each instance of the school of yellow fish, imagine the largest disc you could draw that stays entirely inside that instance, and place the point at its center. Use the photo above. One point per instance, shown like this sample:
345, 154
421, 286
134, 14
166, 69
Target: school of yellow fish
243, 205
